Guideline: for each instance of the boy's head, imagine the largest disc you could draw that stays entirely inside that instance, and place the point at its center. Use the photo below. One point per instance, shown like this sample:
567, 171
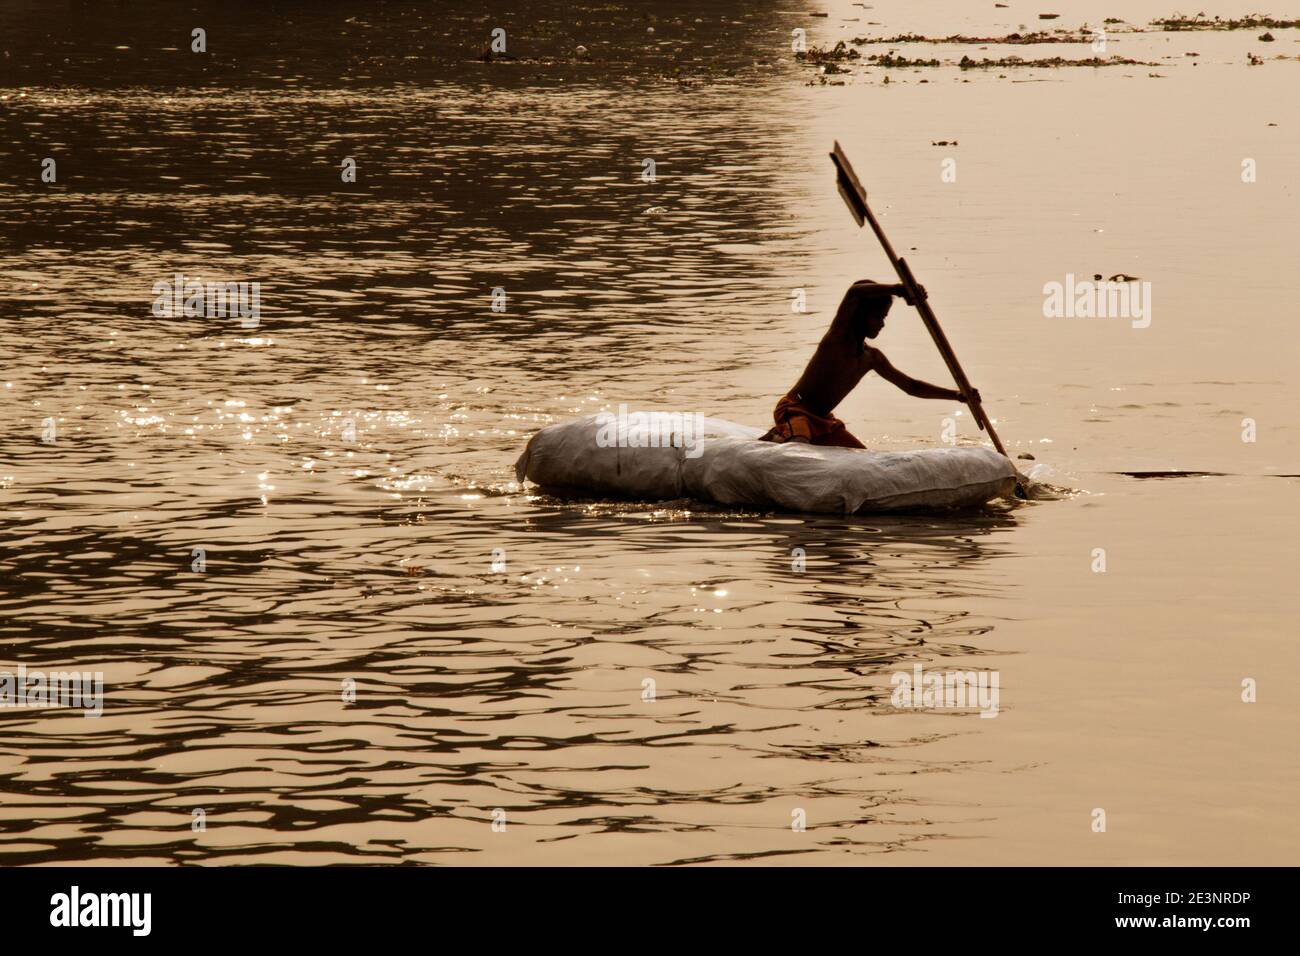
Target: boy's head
865, 306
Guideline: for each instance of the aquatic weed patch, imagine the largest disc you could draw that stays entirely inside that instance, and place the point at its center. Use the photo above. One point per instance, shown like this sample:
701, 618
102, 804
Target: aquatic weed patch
1054, 62
1201, 22
893, 61
1011, 39
898, 62
841, 51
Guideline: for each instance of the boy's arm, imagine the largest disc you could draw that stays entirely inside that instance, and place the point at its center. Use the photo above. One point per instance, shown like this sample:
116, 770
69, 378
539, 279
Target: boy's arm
876, 361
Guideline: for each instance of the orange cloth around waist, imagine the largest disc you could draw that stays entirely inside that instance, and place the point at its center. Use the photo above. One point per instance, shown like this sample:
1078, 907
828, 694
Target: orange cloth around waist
796, 420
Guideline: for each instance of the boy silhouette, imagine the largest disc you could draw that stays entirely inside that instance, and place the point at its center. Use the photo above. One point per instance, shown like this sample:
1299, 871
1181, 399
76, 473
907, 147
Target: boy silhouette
841, 360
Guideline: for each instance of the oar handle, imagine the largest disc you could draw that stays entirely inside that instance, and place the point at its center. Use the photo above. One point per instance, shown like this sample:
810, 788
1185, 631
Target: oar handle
855, 196
918, 297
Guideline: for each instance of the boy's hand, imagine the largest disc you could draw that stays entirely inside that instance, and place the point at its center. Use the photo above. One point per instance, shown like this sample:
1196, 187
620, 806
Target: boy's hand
903, 294
974, 397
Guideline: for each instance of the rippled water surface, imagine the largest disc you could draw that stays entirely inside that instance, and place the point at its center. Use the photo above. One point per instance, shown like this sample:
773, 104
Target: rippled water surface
630, 683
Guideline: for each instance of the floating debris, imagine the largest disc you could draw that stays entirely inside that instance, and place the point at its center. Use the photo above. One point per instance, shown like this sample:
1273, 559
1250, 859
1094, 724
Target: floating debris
1200, 22
1266, 37
841, 51
1011, 39
898, 62
943, 142
1014, 61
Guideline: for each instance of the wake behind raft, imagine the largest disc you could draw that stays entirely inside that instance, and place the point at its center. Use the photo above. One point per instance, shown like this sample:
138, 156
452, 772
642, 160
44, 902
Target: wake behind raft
661, 456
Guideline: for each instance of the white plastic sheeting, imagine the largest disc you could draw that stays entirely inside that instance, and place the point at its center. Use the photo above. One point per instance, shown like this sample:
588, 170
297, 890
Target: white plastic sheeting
714, 460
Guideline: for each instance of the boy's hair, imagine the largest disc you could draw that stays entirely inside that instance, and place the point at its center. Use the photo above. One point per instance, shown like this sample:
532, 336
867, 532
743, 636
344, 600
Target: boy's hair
868, 294
864, 285
860, 301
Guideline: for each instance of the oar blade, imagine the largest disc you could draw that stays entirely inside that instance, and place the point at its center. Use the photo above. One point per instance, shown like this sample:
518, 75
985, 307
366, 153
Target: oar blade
851, 200
851, 191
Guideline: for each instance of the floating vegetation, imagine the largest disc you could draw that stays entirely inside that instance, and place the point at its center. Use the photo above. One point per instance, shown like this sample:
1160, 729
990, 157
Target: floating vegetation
1202, 22
1052, 63
1056, 36
841, 51
899, 62
966, 63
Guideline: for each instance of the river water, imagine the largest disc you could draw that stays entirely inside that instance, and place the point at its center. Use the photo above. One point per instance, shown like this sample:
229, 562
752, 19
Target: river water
328, 617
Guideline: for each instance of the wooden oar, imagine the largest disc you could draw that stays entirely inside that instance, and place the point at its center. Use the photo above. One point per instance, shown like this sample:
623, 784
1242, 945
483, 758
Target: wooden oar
855, 196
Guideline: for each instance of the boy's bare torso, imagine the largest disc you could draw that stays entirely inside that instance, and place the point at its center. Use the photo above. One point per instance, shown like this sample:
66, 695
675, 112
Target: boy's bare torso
834, 370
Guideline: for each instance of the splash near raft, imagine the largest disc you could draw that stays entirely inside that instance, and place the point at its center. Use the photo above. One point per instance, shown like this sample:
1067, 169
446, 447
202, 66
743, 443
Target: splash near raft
709, 459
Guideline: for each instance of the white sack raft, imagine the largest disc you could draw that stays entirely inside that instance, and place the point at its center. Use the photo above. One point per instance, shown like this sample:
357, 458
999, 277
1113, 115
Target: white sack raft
660, 456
